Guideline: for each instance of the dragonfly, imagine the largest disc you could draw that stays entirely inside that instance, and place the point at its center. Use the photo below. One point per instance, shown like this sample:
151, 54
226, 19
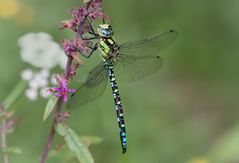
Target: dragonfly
126, 62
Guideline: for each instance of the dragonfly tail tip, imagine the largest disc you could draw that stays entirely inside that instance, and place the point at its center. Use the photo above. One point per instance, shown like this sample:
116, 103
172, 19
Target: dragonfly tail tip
124, 151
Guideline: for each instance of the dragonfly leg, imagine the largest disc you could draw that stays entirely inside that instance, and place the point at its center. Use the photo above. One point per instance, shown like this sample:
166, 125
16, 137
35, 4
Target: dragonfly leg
91, 27
92, 31
88, 38
95, 36
93, 49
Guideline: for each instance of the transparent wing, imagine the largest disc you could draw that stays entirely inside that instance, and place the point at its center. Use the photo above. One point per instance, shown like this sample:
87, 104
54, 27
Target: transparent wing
91, 89
138, 59
135, 61
132, 68
150, 46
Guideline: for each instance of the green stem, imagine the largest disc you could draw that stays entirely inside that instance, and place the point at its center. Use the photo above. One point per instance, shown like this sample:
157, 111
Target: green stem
16, 92
4, 141
7, 103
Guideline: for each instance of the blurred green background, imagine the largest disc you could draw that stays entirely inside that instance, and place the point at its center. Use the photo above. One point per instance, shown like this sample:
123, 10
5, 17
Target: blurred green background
186, 113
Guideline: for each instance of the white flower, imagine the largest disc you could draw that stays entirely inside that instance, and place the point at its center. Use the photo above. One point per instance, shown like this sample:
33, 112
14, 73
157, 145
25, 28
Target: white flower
33, 83
40, 50
36, 81
44, 92
27, 74
44, 73
31, 94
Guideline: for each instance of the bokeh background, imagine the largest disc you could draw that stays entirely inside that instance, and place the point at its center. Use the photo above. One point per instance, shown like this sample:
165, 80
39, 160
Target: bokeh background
185, 113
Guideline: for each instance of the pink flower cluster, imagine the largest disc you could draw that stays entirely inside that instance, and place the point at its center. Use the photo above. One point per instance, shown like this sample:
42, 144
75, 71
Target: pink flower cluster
94, 11
77, 45
80, 24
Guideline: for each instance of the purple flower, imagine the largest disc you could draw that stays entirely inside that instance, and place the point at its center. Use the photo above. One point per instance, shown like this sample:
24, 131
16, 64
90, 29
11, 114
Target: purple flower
79, 14
68, 46
95, 10
71, 24
95, 5
82, 45
62, 90
79, 45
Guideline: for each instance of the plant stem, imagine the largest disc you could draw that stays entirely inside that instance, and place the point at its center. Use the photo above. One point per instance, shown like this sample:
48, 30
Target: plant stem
4, 140
4, 137
59, 105
7, 103
52, 132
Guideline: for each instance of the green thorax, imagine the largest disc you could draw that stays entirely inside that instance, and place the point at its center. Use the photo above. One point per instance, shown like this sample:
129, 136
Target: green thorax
106, 46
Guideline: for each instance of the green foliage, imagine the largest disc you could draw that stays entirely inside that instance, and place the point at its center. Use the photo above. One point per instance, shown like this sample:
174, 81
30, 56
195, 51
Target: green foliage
13, 96
85, 1
62, 154
226, 148
74, 143
50, 106
90, 140
15, 150
5, 115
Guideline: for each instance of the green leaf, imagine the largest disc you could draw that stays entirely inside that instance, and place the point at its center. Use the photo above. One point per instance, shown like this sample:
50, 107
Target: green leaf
227, 147
61, 154
11, 130
6, 115
50, 106
90, 140
74, 143
86, 1
15, 93
14, 150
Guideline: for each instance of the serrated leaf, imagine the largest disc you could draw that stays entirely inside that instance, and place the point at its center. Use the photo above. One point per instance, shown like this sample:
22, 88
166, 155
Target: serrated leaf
49, 107
74, 143
14, 150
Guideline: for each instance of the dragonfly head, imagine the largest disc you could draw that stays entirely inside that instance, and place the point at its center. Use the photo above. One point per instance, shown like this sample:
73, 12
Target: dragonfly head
105, 30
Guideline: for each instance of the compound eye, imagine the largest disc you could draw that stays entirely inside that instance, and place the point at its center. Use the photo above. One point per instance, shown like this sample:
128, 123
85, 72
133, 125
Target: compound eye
105, 32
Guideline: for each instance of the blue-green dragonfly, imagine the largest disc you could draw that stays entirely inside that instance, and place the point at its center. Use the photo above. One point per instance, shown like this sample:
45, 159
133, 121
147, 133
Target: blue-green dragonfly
131, 61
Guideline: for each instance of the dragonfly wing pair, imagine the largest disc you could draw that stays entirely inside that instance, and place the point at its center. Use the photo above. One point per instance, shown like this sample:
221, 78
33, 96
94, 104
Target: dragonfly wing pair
135, 61
91, 89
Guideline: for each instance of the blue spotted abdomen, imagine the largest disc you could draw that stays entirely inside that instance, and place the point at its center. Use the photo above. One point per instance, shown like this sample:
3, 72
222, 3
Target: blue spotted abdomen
118, 104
